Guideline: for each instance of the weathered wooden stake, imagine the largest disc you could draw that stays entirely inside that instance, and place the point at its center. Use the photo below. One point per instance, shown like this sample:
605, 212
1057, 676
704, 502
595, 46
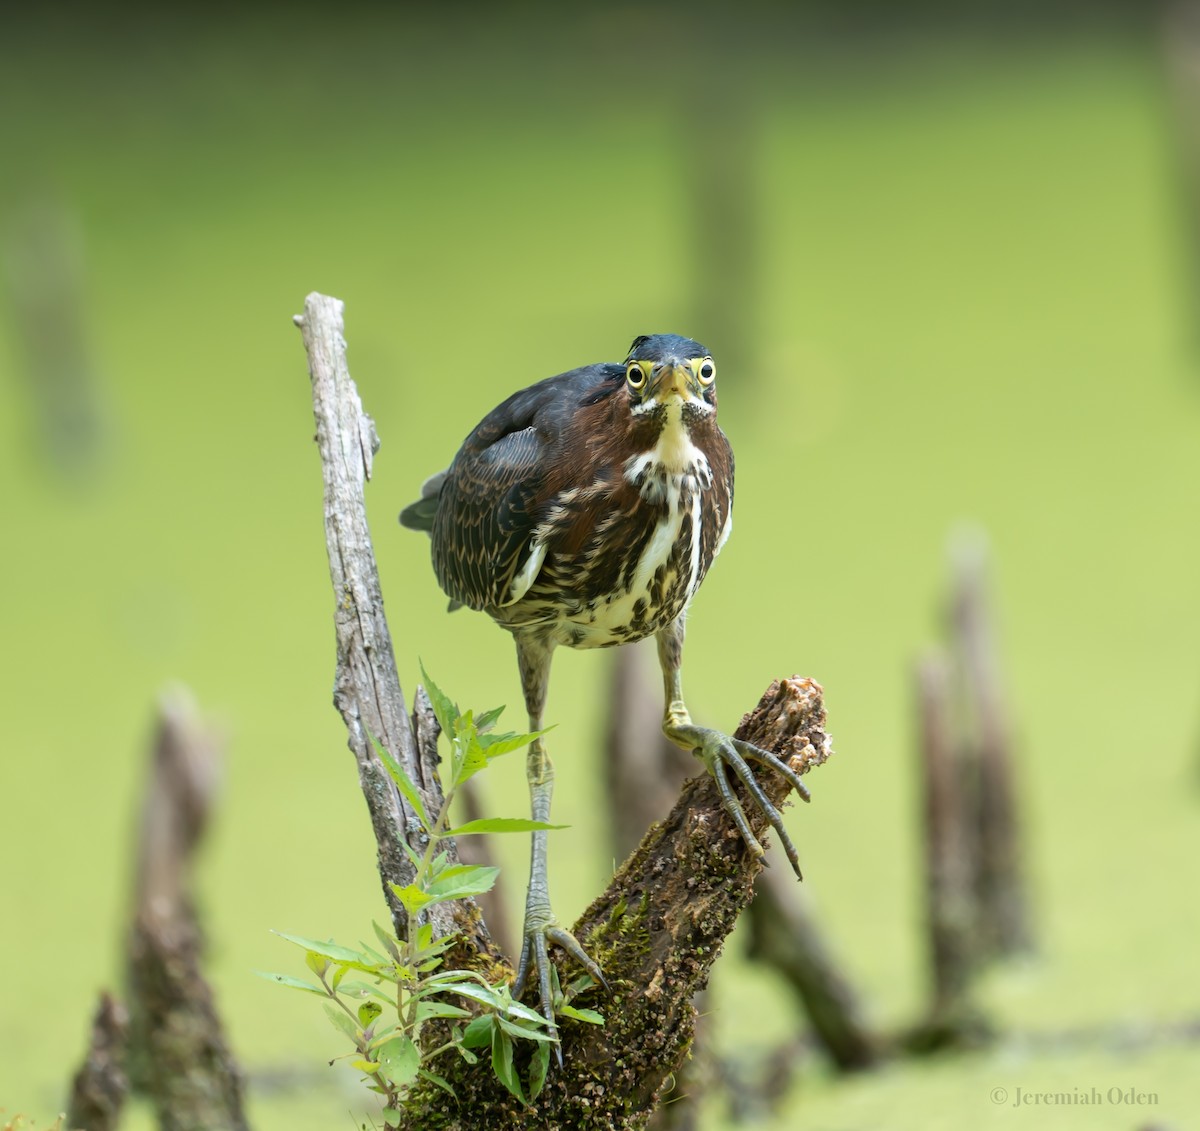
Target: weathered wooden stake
994, 844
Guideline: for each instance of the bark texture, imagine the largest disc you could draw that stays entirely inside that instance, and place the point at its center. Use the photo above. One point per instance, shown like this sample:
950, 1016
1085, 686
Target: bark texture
656, 932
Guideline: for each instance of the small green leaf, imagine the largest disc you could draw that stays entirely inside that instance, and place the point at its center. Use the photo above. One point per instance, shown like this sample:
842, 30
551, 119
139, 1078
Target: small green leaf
471, 992
578, 985
439, 864
411, 897
392, 1116
453, 981
399, 1061
474, 882
428, 1009
496, 745
501, 825
380, 1035
446, 870
479, 1032
524, 1032
502, 1063
539, 1066
388, 941
366, 990
343, 1022
414, 857
487, 720
367, 1012
588, 1015
473, 760
403, 782
435, 948
292, 983
328, 949
317, 963
514, 1009
444, 710
434, 1078
372, 955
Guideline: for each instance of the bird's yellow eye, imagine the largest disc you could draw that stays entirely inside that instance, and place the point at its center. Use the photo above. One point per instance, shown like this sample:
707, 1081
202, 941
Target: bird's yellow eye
707, 371
635, 375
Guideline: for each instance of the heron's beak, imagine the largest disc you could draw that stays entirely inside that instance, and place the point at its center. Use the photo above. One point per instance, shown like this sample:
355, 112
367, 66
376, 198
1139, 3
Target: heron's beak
671, 377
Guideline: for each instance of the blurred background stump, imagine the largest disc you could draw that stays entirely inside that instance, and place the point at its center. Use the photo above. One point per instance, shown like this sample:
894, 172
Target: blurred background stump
785, 935
169, 1046
101, 1085
42, 255
976, 905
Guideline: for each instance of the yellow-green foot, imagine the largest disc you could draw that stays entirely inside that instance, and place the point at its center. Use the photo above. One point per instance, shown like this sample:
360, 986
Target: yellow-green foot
540, 932
722, 753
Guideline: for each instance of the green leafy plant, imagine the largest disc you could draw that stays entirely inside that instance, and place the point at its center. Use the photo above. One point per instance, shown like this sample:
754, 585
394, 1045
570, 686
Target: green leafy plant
381, 999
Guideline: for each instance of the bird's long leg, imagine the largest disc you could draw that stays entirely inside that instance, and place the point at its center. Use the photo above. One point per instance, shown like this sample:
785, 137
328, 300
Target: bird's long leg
721, 753
541, 928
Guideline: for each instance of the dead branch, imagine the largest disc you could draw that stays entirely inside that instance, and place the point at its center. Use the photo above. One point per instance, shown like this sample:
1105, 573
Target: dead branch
367, 689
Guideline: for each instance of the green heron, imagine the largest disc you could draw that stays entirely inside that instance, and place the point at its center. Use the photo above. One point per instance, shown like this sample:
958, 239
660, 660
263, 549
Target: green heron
585, 510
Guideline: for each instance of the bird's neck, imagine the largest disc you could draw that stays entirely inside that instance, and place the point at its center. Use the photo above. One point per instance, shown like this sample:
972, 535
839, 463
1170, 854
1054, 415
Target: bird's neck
671, 453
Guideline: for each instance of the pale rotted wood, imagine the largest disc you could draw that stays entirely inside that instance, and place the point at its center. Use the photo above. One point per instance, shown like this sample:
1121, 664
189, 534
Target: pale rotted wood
178, 1056
101, 1085
367, 689
656, 931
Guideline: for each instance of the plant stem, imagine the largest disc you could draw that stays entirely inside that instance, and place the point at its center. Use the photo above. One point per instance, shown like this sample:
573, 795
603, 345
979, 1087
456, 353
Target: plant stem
409, 1016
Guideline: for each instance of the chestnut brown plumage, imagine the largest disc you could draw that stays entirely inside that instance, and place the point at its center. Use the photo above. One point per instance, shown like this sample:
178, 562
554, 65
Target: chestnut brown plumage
586, 510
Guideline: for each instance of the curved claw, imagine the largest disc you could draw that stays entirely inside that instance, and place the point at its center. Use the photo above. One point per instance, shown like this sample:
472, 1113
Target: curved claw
571, 945
535, 956
758, 754
719, 751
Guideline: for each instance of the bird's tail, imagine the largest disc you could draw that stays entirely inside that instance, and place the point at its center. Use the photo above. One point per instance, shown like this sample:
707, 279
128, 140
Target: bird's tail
419, 515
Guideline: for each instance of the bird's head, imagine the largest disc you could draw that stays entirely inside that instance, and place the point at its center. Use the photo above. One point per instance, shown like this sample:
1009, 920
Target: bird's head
665, 369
